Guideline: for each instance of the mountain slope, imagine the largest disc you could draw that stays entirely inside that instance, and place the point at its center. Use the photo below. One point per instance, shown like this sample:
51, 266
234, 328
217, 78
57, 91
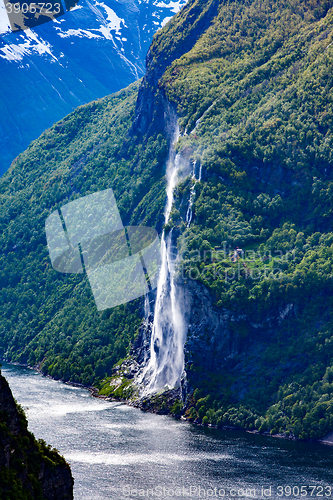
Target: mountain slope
96, 49
252, 85
81, 155
254, 96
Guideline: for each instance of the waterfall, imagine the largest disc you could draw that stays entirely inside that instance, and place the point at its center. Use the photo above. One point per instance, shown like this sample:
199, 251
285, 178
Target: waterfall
189, 213
166, 364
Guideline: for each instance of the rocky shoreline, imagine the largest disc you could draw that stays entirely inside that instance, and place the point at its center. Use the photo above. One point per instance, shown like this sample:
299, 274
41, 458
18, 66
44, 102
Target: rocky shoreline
144, 404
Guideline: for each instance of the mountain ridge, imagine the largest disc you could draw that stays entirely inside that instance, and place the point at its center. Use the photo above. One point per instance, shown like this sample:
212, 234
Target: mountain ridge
96, 49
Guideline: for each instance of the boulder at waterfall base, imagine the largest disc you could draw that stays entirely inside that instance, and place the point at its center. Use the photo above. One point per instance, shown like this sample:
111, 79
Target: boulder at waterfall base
250, 84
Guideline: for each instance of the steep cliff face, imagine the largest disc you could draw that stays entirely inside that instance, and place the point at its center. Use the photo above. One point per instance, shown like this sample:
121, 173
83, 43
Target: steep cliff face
169, 44
227, 354
28, 469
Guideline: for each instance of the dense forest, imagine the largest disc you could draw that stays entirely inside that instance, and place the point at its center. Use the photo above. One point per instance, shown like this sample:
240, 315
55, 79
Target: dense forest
251, 83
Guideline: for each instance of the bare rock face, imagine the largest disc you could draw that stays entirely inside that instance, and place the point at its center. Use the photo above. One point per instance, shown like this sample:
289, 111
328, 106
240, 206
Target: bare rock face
211, 341
28, 469
8, 408
226, 348
151, 103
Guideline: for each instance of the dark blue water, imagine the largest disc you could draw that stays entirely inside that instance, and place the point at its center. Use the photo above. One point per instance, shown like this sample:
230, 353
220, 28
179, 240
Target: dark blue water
118, 452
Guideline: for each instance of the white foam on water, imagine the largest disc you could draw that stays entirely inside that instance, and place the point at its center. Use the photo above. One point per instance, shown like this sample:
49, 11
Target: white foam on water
138, 458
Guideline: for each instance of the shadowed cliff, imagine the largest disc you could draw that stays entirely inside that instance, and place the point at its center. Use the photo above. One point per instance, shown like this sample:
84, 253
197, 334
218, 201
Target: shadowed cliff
29, 469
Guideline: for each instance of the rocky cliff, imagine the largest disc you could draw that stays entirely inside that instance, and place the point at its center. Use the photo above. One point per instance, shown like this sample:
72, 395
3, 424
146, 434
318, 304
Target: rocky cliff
168, 46
28, 469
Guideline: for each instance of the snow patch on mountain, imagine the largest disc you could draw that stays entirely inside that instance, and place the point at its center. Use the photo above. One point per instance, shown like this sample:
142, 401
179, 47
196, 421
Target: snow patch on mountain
95, 49
111, 23
79, 33
110, 18
32, 44
92, 19
115, 23
174, 6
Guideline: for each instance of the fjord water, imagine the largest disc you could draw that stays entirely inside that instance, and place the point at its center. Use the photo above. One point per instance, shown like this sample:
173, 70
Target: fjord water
113, 449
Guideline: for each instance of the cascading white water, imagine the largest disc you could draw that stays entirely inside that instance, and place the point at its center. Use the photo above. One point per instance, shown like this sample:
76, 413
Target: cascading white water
166, 364
189, 213
192, 192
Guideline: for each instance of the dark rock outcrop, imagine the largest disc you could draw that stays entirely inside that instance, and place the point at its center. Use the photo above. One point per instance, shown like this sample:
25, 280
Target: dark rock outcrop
220, 344
151, 105
29, 469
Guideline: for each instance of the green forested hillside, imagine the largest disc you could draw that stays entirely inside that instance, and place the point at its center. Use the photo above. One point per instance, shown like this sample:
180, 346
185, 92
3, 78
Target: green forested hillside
252, 85
259, 80
49, 318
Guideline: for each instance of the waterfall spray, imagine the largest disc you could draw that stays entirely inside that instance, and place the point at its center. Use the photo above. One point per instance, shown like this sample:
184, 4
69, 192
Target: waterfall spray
166, 364
194, 180
189, 213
